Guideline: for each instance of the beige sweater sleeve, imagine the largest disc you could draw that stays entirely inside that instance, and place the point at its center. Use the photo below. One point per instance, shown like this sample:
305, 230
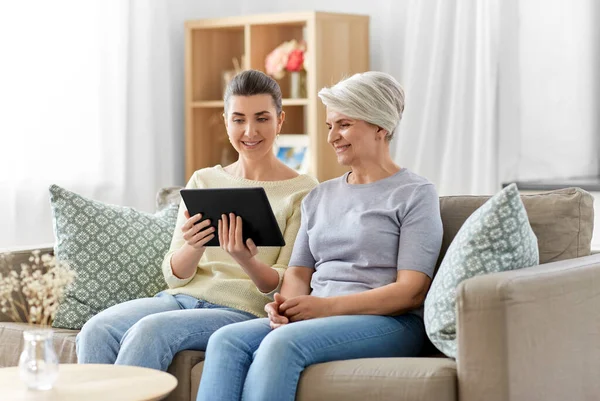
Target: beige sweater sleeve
176, 243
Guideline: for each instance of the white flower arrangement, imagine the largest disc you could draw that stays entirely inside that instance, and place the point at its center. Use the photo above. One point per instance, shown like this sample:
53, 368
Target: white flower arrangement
33, 295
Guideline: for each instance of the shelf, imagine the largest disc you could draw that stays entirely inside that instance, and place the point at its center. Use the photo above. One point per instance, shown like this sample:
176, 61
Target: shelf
291, 18
206, 104
295, 102
212, 44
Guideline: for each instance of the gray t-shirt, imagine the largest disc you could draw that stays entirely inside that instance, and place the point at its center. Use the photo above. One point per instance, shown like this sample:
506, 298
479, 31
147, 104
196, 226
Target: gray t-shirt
357, 237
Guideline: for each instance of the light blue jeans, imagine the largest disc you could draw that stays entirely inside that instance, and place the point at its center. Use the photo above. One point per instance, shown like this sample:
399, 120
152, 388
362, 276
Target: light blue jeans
249, 361
148, 332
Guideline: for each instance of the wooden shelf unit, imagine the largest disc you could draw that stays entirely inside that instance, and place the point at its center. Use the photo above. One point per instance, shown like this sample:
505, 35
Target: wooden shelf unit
337, 46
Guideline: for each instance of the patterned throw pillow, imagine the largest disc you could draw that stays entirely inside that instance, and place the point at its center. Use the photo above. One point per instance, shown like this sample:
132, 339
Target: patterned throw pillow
116, 251
496, 237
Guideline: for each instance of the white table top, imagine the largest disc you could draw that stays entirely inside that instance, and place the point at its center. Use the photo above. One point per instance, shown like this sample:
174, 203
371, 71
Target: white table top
92, 382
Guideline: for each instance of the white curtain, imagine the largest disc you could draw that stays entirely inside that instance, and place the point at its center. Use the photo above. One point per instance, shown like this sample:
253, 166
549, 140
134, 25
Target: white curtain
448, 65
85, 103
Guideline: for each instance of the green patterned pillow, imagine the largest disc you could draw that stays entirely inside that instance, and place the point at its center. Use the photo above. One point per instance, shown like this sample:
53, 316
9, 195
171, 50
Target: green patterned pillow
116, 251
496, 237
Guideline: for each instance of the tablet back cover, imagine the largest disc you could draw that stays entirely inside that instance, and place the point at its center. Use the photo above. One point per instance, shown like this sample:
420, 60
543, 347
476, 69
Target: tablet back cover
252, 204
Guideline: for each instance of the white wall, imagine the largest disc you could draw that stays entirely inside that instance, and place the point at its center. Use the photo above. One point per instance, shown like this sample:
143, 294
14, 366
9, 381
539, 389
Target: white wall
549, 89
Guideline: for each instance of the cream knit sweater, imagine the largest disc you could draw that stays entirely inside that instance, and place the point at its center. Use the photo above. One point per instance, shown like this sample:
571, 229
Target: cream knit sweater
219, 279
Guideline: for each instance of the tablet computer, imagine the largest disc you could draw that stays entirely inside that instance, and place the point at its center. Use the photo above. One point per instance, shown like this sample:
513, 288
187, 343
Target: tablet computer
251, 204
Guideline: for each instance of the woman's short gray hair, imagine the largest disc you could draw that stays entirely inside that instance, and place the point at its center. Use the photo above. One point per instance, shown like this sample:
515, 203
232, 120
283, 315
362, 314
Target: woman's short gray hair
372, 96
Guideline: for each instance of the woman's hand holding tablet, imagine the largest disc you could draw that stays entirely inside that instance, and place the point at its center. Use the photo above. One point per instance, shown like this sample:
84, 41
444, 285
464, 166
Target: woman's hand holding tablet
197, 235
230, 237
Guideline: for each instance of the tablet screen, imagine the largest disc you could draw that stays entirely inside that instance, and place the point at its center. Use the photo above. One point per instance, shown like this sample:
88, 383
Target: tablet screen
251, 204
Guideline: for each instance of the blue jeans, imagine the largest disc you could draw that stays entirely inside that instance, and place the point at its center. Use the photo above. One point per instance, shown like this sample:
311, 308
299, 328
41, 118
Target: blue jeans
148, 332
249, 361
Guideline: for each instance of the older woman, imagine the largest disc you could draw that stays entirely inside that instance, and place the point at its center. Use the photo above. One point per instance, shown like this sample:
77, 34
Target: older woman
361, 266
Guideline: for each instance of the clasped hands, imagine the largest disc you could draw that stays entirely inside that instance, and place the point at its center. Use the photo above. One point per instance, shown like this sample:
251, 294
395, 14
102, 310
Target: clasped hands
285, 310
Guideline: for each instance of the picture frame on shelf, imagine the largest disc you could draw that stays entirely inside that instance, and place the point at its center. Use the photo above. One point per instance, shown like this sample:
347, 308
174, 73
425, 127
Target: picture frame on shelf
293, 151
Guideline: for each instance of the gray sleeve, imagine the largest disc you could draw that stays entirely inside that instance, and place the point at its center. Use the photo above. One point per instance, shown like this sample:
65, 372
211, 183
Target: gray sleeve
421, 232
301, 255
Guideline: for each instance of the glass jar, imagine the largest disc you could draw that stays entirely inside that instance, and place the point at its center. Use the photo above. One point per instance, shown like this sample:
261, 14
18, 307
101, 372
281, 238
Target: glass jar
38, 364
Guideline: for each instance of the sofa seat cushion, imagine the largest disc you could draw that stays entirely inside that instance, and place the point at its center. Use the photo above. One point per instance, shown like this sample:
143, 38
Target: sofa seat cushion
181, 368
373, 379
196, 376
11, 343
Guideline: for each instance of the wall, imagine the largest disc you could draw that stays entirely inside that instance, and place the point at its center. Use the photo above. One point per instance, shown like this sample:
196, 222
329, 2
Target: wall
549, 89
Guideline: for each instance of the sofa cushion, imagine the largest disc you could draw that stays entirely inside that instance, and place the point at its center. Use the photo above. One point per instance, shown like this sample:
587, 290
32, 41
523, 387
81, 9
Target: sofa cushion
496, 237
116, 252
11, 343
181, 368
371, 379
401, 379
562, 221
196, 376
168, 196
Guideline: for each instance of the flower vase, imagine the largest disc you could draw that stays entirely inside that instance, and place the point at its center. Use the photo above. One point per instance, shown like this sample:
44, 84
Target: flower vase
297, 84
38, 364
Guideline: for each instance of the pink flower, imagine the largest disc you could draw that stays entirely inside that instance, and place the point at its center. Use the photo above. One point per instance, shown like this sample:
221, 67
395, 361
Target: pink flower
295, 60
288, 56
275, 63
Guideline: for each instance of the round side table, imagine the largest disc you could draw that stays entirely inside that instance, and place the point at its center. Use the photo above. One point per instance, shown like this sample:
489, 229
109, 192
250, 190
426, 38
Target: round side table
92, 382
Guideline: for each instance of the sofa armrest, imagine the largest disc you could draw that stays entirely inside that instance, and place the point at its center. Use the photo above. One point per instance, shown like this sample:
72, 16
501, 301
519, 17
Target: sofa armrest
531, 334
11, 260
27, 250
